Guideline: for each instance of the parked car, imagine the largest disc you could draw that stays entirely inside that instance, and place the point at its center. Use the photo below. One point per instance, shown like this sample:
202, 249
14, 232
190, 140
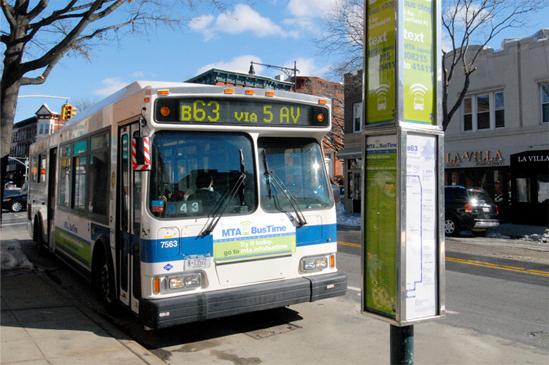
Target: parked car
14, 200
468, 209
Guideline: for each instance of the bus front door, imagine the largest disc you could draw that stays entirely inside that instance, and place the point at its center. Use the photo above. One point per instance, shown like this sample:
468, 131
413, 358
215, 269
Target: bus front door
129, 222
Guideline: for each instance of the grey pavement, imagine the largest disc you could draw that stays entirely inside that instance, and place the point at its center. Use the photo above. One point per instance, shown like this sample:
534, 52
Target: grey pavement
43, 324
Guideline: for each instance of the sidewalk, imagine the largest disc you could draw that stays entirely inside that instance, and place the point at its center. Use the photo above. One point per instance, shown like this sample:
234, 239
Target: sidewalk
40, 323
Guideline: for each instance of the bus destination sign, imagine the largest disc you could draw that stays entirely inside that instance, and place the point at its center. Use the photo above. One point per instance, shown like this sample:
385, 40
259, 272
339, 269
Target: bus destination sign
232, 112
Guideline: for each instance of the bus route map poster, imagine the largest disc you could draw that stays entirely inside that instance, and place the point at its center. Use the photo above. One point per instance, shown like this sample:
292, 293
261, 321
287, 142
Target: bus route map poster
381, 50
380, 226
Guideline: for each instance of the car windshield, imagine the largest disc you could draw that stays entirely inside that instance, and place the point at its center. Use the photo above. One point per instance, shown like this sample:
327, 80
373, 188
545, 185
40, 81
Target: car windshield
193, 172
298, 164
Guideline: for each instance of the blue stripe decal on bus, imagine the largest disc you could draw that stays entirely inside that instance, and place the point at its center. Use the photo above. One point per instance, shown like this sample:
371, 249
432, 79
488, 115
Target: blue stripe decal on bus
315, 235
162, 250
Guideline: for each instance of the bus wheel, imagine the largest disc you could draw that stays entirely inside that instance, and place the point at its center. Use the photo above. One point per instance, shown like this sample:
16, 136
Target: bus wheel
38, 238
103, 281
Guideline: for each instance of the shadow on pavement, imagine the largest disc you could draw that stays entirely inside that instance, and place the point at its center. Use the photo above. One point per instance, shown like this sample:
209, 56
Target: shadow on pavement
50, 310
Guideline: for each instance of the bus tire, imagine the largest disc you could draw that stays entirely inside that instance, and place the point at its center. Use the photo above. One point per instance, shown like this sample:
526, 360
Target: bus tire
103, 279
38, 237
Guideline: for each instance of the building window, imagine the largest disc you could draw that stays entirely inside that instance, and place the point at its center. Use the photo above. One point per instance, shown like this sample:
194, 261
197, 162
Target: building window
545, 103
357, 117
499, 109
484, 111
467, 114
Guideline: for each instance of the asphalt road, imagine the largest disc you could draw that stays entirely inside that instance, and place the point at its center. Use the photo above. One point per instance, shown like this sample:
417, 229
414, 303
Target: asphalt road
490, 294
490, 301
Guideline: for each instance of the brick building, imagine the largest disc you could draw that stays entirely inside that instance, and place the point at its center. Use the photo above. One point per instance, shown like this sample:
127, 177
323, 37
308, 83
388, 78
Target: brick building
311, 85
352, 153
25, 133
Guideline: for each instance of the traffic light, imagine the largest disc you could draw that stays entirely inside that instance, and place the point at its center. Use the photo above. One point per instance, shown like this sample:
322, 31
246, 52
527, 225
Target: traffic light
67, 111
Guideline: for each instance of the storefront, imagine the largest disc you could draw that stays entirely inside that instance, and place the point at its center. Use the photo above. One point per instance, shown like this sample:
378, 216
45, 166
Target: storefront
486, 169
530, 181
518, 182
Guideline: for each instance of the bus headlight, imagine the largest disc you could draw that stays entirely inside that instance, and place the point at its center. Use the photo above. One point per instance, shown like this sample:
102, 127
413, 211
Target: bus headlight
185, 281
316, 263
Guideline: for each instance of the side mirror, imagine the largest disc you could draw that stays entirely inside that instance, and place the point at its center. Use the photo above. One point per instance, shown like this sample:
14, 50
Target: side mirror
141, 157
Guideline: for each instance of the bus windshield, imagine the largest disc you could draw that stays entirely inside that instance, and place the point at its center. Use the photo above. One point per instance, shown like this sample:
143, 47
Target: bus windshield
193, 172
298, 163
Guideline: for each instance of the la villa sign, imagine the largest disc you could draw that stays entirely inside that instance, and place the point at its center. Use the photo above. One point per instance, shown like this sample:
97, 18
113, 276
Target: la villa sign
477, 158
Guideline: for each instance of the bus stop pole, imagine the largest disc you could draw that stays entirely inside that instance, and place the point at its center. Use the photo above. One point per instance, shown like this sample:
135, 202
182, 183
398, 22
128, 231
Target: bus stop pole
402, 345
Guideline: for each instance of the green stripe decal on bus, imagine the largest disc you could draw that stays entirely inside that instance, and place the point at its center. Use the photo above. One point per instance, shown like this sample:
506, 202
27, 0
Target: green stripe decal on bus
254, 248
78, 248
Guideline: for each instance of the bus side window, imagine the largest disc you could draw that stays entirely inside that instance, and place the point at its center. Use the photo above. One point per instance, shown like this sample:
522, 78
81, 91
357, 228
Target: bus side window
34, 168
64, 177
42, 166
99, 174
80, 175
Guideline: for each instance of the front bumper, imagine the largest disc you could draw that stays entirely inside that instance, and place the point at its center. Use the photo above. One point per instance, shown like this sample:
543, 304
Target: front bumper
160, 313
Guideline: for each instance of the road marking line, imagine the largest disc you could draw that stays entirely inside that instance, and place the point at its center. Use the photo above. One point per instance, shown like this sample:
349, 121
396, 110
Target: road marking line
349, 244
354, 288
478, 263
451, 312
491, 265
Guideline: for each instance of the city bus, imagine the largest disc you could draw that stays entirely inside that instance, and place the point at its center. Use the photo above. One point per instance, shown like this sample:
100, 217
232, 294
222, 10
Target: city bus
185, 202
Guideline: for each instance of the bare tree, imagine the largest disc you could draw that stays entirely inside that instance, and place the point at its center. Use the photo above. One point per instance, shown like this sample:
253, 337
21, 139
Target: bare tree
469, 25
40, 35
344, 35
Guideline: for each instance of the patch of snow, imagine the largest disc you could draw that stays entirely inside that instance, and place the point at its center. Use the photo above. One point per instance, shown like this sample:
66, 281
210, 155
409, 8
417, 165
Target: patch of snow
345, 218
12, 257
541, 239
497, 235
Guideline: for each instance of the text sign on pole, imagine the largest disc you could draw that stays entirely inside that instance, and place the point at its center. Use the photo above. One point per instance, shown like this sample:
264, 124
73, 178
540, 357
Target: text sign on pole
381, 89
418, 61
403, 256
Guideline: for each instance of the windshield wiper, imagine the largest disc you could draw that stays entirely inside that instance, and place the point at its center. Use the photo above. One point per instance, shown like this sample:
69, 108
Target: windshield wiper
273, 185
223, 202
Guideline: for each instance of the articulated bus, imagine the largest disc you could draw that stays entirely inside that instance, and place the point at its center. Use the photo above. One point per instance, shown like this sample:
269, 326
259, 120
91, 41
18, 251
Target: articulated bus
186, 202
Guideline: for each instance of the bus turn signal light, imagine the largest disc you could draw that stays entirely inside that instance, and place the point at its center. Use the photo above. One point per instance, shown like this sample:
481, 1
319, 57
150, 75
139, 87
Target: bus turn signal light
163, 92
322, 101
156, 285
249, 92
332, 261
228, 91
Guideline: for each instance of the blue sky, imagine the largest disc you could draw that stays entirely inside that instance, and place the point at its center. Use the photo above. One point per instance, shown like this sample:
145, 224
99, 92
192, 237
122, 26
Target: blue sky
270, 31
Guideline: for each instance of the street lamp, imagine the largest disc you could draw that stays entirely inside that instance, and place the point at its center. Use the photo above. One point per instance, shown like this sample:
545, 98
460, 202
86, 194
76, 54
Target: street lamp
287, 70
24, 163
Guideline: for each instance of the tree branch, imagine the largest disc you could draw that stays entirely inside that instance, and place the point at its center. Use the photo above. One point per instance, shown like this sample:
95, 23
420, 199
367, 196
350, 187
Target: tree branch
40, 79
9, 13
38, 9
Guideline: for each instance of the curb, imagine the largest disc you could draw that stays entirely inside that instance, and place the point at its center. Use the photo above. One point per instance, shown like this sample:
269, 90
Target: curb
132, 346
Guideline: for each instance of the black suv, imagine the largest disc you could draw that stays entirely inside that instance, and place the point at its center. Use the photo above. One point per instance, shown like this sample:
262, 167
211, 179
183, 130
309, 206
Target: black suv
468, 209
